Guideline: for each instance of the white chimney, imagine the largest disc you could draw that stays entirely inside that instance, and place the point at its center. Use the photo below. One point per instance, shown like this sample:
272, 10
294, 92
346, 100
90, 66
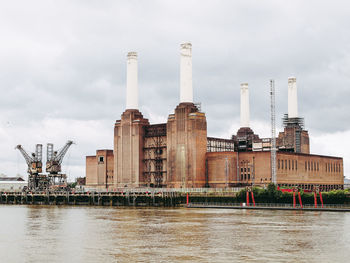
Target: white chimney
131, 82
244, 105
292, 98
186, 90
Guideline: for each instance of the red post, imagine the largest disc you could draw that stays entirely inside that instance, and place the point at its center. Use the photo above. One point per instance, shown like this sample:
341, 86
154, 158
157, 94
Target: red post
315, 199
247, 198
253, 198
293, 199
187, 199
301, 204
321, 199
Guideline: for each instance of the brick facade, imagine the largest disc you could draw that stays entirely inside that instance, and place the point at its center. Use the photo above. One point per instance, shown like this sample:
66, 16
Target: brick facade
174, 154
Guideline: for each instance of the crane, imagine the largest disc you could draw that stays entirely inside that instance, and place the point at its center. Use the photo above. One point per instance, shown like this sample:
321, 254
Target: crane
36, 181
54, 162
273, 132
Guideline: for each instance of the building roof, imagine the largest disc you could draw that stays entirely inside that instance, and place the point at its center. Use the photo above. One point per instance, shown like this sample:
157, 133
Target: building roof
13, 179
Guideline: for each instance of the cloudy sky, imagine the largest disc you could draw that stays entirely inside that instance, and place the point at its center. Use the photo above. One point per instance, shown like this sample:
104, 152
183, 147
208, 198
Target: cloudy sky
63, 69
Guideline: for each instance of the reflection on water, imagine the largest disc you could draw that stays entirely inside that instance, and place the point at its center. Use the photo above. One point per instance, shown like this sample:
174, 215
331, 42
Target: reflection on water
99, 234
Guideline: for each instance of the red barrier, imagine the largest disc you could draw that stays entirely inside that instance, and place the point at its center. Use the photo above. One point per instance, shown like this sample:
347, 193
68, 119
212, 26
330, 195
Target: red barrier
301, 204
253, 198
315, 199
187, 199
247, 198
321, 199
293, 199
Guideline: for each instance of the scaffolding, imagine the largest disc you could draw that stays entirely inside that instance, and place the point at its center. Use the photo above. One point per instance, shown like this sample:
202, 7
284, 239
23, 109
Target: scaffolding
220, 145
155, 154
297, 125
273, 132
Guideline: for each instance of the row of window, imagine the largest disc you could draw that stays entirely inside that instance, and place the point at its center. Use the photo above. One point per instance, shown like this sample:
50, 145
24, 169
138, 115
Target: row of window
245, 177
287, 164
333, 167
312, 166
309, 166
245, 169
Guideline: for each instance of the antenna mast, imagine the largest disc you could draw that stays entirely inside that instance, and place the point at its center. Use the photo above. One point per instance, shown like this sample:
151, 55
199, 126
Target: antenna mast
273, 132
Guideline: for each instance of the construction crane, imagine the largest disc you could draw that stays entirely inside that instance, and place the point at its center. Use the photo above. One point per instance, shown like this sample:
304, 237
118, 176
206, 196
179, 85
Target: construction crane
53, 165
273, 132
36, 181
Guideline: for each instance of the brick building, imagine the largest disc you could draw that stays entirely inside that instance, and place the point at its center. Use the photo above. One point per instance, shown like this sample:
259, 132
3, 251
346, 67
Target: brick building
179, 154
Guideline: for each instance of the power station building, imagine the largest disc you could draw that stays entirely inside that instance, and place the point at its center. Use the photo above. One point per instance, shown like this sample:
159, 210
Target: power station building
179, 154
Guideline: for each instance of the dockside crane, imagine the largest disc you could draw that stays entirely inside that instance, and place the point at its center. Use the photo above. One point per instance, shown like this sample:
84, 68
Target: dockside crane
54, 163
36, 181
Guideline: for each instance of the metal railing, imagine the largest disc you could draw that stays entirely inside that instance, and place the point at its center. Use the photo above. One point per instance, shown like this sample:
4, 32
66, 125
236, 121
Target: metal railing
161, 190
268, 205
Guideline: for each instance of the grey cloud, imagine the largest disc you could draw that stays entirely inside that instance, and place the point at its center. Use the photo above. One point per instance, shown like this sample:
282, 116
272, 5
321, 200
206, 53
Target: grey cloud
67, 60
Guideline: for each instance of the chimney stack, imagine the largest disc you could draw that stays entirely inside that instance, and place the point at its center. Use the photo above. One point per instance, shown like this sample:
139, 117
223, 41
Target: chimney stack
131, 82
292, 98
186, 90
244, 105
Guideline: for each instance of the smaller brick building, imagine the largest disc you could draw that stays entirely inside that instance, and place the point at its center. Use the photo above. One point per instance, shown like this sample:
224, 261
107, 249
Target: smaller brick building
228, 169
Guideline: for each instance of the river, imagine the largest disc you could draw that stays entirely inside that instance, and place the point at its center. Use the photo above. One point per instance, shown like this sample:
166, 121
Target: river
114, 234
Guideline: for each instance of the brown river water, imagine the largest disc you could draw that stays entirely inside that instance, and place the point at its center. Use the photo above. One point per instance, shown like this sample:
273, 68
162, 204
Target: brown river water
114, 234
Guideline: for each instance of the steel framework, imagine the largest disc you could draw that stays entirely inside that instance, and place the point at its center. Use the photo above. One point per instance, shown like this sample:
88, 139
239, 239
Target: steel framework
54, 163
36, 181
273, 132
154, 152
220, 145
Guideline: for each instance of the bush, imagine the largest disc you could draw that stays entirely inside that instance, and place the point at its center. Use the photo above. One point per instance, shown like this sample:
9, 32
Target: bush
272, 195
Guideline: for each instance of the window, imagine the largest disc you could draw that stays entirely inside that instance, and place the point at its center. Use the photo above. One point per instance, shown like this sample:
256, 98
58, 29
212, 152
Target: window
248, 176
282, 164
278, 163
101, 159
318, 166
305, 166
292, 164
285, 164
289, 164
